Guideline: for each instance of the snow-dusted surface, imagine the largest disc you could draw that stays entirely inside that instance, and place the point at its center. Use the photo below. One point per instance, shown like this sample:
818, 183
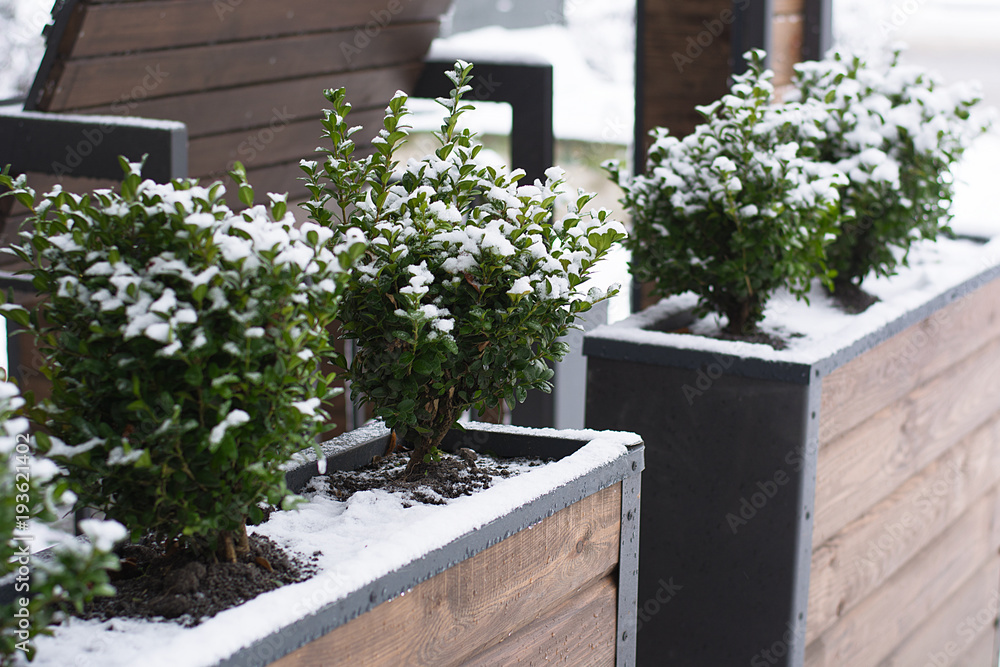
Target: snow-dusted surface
821, 329
361, 539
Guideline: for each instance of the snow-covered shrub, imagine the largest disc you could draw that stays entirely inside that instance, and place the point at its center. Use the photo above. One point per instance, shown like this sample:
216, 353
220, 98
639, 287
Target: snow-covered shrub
733, 211
895, 131
75, 571
469, 278
184, 344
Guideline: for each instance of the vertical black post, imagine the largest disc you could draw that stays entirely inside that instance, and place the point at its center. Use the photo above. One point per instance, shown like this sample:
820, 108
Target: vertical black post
817, 33
751, 30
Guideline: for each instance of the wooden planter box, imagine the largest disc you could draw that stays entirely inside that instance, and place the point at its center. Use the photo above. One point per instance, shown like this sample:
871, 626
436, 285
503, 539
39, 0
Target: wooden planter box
836, 510
553, 580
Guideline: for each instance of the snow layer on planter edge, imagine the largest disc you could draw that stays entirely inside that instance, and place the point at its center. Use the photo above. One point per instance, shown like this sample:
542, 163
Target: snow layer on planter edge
356, 552
935, 267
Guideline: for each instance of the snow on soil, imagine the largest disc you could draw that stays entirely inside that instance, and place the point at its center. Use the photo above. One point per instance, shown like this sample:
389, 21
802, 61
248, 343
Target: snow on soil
361, 539
820, 329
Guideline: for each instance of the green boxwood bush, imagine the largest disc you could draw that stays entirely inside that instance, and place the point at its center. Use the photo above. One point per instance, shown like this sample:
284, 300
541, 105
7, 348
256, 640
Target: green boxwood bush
469, 279
183, 341
75, 570
735, 210
895, 131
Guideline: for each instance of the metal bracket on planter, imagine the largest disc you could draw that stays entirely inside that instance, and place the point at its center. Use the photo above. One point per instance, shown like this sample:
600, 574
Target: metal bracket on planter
628, 562
84, 145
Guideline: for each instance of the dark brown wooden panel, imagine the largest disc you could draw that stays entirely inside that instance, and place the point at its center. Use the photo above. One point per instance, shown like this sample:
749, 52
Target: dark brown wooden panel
113, 80
277, 142
256, 105
167, 24
483, 600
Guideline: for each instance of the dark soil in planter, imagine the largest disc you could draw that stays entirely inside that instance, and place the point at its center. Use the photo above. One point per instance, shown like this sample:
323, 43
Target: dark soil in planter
455, 475
759, 337
852, 299
155, 582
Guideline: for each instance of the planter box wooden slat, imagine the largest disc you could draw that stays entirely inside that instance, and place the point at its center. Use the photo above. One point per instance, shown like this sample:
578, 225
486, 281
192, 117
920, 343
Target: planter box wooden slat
581, 631
870, 382
478, 603
852, 490
969, 643
852, 475
884, 619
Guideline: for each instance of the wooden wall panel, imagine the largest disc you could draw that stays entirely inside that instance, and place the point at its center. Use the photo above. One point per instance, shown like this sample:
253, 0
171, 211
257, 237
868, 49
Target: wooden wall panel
870, 461
579, 632
957, 628
104, 80
857, 390
856, 561
168, 24
872, 629
480, 602
256, 105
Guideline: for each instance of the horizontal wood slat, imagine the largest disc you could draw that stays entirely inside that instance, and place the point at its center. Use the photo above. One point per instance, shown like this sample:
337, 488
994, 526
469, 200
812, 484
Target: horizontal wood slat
580, 632
483, 600
860, 388
113, 80
859, 559
255, 105
276, 143
167, 24
955, 628
866, 464
784, 7
871, 630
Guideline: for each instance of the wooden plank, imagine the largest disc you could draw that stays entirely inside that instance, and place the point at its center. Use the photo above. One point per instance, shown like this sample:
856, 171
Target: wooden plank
786, 7
684, 62
275, 143
483, 600
863, 386
982, 653
873, 628
786, 47
218, 111
852, 474
580, 632
958, 627
857, 560
117, 79
167, 24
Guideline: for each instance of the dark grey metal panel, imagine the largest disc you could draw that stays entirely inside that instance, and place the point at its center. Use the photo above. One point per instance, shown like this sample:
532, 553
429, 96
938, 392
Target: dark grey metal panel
77, 145
817, 33
723, 505
301, 632
751, 30
527, 87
